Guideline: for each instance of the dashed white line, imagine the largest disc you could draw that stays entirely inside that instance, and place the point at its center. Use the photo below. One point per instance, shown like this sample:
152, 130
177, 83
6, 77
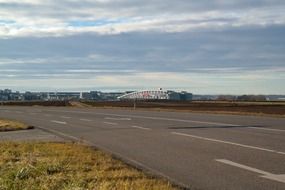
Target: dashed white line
267, 129
119, 119
65, 117
110, 123
153, 118
230, 143
85, 120
138, 127
264, 174
59, 122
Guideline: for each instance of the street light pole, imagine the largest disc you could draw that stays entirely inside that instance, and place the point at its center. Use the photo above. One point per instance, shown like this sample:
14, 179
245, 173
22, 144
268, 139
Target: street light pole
135, 103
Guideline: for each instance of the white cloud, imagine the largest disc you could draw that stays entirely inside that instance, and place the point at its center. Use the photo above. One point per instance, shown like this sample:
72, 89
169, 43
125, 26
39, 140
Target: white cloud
207, 45
193, 82
52, 18
22, 1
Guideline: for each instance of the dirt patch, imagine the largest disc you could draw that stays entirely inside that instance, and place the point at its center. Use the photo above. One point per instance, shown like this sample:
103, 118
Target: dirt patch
79, 104
8, 125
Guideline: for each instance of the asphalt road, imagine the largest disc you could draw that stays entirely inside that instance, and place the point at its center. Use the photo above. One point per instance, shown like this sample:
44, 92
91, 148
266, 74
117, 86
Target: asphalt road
200, 151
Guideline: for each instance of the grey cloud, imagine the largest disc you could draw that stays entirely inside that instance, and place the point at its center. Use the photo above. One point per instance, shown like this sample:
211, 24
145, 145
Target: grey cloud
196, 52
204, 44
55, 18
71, 9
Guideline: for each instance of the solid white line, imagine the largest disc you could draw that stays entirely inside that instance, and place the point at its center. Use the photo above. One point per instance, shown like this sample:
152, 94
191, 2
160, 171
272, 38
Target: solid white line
228, 142
85, 120
110, 123
65, 117
228, 162
267, 129
59, 122
264, 174
143, 128
119, 119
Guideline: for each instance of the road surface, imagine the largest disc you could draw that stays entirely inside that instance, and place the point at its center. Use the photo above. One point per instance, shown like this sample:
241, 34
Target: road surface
200, 151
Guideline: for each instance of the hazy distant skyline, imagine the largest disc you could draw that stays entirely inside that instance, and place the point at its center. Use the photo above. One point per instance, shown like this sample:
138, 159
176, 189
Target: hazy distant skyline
205, 47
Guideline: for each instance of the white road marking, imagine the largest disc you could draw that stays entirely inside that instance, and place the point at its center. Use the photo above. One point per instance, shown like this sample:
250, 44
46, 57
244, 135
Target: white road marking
19, 112
33, 113
264, 174
228, 142
59, 122
167, 119
65, 117
143, 128
153, 118
267, 129
110, 123
47, 115
119, 119
128, 159
85, 120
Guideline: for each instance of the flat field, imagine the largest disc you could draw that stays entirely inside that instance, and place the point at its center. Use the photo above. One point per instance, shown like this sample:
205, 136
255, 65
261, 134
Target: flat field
57, 166
256, 108
273, 108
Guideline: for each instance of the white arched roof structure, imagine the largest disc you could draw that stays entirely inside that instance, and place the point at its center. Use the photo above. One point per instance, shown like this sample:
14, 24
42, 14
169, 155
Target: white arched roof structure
146, 95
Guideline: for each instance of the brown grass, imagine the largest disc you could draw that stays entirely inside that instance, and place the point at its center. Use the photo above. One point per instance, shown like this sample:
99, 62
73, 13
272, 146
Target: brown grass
8, 125
57, 166
36, 103
247, 108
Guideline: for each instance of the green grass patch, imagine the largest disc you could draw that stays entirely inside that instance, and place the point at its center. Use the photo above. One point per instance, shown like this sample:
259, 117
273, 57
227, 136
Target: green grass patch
8, 125
67, 166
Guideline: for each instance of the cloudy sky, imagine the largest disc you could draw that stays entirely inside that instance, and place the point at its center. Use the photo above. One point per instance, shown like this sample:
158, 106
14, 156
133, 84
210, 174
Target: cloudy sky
217, 46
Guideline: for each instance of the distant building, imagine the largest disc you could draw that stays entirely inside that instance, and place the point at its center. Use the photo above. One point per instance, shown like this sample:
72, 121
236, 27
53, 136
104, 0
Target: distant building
186, 96
64, 95
97, 95
7, 95
156, 95
251, 98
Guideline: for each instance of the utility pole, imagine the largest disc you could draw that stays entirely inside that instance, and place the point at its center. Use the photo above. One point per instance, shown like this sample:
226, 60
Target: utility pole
135, 103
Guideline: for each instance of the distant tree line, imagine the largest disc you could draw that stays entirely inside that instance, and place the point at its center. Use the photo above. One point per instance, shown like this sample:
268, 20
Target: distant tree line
242, 98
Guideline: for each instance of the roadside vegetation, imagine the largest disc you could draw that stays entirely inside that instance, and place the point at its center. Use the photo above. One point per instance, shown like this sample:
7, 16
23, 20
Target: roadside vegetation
67, 166
8, 125
224, 107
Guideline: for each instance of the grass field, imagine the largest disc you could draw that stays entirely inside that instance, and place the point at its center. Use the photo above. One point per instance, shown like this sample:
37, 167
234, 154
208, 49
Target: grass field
272, 108
245, 108
36, 103
7, 125
60, 166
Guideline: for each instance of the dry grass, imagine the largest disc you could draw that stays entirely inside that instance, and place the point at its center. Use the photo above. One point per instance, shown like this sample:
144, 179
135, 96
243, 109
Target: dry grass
242, 108
8, 125
34, 166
